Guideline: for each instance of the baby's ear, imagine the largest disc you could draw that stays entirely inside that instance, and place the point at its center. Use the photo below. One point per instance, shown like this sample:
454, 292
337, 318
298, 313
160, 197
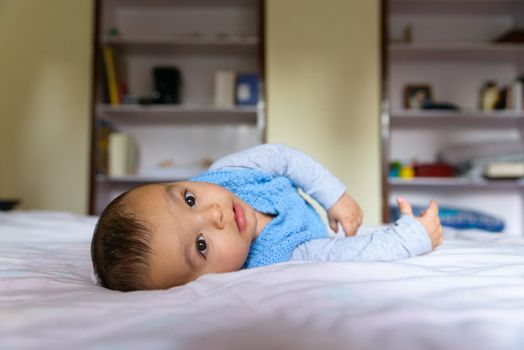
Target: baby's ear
404, 206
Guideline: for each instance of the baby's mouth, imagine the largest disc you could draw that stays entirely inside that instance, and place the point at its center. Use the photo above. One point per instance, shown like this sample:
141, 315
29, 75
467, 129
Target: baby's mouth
240, 217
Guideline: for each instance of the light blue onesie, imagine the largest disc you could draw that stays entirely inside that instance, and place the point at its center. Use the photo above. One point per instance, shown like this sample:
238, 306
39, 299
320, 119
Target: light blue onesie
405, 238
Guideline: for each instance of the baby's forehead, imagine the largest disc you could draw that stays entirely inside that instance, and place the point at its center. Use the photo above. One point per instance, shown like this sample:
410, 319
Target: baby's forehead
144, 197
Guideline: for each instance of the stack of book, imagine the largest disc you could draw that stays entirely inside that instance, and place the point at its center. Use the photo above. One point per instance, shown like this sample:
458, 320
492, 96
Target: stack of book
504, 170
233, 89
115, 87
122, 155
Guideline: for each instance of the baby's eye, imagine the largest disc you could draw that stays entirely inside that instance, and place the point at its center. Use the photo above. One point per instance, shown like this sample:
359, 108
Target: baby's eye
190, 199
201, 245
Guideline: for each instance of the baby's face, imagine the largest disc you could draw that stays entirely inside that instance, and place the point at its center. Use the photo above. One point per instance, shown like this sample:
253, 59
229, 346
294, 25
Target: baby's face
196, 228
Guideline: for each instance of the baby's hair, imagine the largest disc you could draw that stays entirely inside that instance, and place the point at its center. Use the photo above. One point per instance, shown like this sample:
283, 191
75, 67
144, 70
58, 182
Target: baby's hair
120, 248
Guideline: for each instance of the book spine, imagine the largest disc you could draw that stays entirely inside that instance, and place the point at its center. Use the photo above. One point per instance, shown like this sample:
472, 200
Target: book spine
247, 87
224, 88
118, 154
517, 95
103, 131
112, 84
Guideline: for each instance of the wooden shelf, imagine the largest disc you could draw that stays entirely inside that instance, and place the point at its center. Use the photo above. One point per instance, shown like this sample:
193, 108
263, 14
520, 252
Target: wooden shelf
456, 7
184, 3
454, 47
466, 118
247, 40
168, 43
440, 51
154, 114
453, 183
179, 175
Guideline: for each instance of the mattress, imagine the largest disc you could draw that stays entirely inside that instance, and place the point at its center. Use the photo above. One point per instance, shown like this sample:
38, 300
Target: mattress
468, 294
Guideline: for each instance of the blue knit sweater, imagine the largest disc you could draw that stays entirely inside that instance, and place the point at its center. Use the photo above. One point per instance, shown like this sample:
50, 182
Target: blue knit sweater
295, 220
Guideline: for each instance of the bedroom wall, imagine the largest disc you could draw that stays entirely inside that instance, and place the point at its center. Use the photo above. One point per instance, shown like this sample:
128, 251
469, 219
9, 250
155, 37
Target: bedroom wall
323, 66
45, 64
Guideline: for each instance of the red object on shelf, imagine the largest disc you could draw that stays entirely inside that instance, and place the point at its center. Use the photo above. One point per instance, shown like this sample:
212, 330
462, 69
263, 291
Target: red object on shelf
434, 170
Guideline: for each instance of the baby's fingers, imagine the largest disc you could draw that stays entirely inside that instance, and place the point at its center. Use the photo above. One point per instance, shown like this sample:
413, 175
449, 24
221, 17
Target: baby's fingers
431, 211
350, 228
333, 224
404, 206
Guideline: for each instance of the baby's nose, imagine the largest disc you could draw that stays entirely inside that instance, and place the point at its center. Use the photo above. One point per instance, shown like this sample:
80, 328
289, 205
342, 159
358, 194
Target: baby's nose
216, 216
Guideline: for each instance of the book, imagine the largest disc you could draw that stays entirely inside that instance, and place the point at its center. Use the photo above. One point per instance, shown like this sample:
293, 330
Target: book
103, 82
504, 170
111, 78
224, 94
103, 130
122, 155
247, 89
517, 95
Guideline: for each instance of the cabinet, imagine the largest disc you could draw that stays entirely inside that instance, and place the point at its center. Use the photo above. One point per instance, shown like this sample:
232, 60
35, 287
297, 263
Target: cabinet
198, 38
449, 46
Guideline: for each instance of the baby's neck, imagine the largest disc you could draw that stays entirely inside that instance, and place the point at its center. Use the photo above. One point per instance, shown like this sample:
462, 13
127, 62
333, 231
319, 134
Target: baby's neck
262, 221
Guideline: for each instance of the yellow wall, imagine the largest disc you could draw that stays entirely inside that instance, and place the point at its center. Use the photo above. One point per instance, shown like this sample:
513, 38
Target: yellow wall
323, 88
45, 63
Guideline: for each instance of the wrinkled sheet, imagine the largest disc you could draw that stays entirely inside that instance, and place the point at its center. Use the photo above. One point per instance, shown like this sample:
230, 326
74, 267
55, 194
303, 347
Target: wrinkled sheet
468, 294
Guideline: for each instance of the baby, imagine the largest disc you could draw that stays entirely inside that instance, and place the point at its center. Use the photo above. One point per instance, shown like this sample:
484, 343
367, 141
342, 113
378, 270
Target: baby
244, 212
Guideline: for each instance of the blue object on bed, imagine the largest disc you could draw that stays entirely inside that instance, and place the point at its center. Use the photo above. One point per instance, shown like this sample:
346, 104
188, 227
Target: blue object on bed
459, 218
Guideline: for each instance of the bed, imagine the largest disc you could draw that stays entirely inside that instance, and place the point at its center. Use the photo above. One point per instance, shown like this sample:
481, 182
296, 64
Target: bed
468, 294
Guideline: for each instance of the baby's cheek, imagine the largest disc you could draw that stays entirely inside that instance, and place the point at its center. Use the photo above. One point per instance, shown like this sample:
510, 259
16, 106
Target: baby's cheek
237, 257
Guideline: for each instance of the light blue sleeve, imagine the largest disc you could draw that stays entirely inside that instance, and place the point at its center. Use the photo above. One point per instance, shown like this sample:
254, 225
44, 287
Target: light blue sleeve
403, 239
279, 160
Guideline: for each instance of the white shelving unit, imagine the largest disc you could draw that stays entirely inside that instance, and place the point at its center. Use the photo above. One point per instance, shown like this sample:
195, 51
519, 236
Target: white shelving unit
452, 50
198, 37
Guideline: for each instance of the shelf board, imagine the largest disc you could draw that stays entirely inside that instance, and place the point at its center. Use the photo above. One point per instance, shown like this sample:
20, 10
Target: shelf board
466, 118
170, 4
182, 40
449, 46
453, 183
455, 7
439, 51
179, 175
154, 114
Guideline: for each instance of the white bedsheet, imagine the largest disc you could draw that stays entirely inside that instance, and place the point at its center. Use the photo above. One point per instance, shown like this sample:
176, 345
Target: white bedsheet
469, 294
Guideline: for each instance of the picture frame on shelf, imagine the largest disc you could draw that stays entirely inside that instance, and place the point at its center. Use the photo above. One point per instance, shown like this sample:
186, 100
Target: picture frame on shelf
416, 95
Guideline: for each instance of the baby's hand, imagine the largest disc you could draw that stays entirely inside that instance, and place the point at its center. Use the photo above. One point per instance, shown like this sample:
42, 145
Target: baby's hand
347, 212
429, 219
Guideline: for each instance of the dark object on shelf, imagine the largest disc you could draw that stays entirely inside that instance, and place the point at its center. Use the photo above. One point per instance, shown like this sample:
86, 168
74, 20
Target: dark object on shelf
167, 85
8, 204
501, 102
144, 100
439, 105
515, 35
434, 170
415, 95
